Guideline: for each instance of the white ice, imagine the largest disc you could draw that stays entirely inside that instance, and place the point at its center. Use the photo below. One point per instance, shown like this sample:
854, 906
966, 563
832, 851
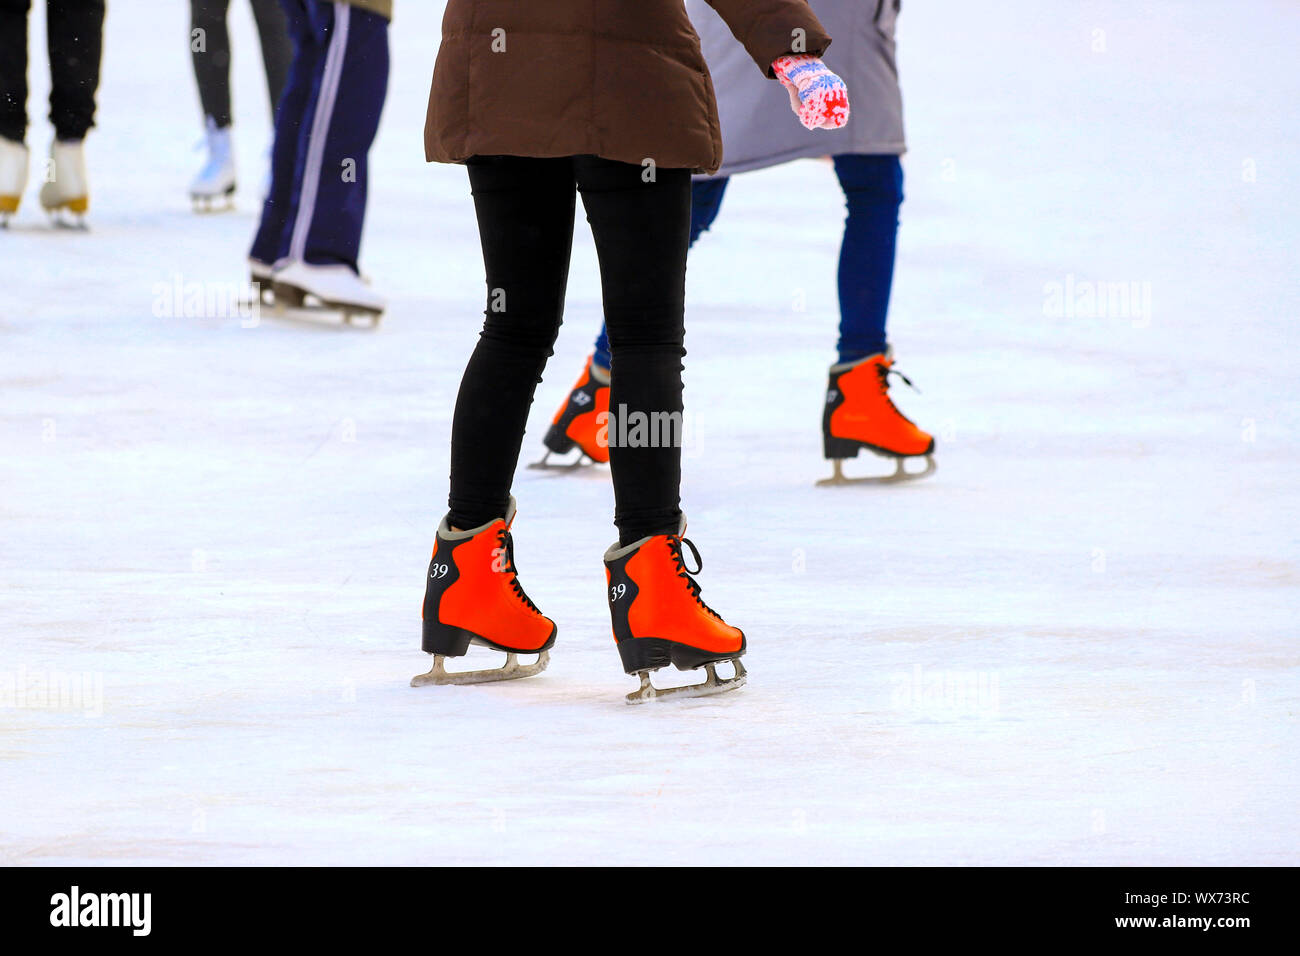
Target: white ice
1076, 643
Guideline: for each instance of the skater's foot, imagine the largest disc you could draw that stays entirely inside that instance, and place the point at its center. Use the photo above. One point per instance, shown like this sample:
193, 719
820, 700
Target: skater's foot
859, 414
473, 596
660, 619
14, 161
213, 188
325, 288
577, 423
67, 187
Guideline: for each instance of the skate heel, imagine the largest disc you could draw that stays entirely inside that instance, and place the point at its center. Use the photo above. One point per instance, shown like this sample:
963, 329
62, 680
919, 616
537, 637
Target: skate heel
839, 447
443, 639
645, 653
688, 658
287, 296
557, 441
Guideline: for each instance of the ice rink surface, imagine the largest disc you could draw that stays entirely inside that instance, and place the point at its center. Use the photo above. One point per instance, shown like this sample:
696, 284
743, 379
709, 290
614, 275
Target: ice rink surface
1076, 643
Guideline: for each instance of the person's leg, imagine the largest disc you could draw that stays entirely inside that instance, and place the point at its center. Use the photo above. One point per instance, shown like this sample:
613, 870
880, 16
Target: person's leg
353, 82
277, 50
600, 354
706, 201
293, 116
525, 218
13, 69
210, 51
873, 190
76, 38
642, 230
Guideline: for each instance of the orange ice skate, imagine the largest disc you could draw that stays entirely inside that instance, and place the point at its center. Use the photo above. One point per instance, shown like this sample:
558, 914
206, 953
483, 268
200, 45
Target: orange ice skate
659, 618
577, 422
859, 414
473, 596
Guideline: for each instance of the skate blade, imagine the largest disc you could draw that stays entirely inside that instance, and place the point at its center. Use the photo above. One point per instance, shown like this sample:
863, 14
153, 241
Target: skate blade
546, 464
314, 315
900, 474
68, 221
512, 670
211, 207
215, 202
351, 314
712, 685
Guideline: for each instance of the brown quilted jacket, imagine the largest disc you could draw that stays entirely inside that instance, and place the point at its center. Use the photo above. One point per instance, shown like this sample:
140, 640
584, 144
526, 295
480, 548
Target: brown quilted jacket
621, 79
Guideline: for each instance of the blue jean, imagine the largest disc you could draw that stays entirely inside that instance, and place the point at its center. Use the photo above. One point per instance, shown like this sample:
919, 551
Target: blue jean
873, 192
325, 125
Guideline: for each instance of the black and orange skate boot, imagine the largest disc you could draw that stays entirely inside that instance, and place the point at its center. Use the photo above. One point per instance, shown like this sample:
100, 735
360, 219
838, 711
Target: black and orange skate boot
473, 597
859, 414
659, 619
578, 422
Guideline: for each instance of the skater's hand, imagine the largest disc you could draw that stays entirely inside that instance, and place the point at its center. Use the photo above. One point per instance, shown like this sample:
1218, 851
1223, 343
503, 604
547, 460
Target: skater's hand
819, 97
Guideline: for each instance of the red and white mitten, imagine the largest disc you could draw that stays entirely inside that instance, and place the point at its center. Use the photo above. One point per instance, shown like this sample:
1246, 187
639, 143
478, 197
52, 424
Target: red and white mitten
818, 96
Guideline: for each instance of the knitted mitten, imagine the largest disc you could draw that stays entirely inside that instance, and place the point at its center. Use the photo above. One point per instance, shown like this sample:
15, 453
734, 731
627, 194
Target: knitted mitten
818, 96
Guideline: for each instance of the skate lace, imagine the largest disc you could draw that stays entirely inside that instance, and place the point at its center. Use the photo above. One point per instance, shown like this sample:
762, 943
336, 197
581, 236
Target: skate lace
506, 546
675, 545
884, 371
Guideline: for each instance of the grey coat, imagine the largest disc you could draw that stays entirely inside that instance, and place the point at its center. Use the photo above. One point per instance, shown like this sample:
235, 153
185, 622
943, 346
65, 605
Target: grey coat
758, 127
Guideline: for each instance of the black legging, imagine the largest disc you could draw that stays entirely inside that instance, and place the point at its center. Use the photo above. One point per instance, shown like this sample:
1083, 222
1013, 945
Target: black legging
525, 215
212, 54
75, 36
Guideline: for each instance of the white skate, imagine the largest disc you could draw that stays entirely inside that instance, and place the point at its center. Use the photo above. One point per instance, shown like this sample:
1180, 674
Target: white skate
213, 189
67, 188
303, 287
13, 177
